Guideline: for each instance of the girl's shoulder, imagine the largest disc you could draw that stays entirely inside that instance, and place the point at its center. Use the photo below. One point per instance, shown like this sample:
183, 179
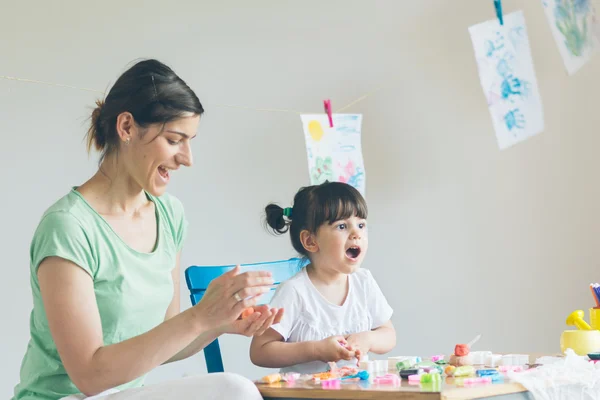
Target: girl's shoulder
363, 275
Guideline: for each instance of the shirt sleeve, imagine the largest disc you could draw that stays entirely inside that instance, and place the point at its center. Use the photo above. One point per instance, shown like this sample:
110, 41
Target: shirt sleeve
176, 218
181, 232
380, 310
286, 297
59, 234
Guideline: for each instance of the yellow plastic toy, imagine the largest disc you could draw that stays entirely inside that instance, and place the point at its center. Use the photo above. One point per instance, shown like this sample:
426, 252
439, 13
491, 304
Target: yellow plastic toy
576, 319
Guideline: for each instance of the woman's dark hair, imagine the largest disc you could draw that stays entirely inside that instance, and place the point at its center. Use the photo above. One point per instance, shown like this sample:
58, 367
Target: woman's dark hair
151, 92
314, 206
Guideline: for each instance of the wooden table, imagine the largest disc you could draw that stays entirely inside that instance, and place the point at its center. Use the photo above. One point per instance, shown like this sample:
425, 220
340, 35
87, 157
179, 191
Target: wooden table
446, 390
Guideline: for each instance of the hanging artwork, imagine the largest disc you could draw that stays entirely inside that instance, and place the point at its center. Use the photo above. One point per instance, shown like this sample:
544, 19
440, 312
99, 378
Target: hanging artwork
334, 153
575, 30
508, 78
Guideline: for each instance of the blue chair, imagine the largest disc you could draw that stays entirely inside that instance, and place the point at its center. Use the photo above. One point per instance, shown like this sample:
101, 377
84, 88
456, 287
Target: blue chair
198, 278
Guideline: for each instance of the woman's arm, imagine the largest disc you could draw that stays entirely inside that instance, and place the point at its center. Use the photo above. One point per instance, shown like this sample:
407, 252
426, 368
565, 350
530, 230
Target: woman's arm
204, 339
270, 351
251, 326
74, 321
175, 306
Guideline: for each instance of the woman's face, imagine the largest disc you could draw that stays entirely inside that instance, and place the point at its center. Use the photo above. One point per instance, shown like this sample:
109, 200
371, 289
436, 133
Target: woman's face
153, 153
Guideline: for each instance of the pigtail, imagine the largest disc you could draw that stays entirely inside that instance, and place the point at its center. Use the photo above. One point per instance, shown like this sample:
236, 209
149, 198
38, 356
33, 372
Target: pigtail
276, 218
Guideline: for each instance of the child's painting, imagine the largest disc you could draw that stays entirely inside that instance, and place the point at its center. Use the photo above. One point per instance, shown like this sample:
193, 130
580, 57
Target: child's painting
335, 154
575, 29
508, 78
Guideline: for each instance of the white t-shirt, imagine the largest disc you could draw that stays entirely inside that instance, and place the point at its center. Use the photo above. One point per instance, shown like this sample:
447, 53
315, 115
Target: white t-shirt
309, 316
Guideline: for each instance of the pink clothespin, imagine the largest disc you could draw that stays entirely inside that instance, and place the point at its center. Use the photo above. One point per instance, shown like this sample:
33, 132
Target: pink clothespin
327, 104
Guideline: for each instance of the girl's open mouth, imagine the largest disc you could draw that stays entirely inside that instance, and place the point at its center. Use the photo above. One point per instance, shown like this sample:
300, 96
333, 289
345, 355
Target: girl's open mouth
353, 252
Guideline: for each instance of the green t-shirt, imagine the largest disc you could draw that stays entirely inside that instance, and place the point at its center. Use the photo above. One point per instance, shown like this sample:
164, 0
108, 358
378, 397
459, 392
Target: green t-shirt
133, 290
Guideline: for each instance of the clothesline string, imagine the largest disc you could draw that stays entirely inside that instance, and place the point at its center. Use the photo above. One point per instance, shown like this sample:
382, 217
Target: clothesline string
337, 110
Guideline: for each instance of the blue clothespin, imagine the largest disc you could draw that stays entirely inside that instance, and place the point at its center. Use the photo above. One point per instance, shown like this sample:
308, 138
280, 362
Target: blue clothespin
498, 5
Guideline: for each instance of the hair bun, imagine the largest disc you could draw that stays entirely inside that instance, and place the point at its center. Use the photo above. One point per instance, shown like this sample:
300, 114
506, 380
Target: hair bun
98, 136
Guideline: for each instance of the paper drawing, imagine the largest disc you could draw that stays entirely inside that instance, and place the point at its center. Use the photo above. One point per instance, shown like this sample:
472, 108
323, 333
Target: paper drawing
334, 154
508, 78
575, 29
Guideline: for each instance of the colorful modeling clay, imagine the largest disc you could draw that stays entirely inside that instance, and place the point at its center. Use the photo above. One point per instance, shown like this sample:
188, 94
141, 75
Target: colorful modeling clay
461, 350
291, 377
273, 378
405, 364
513, 368
387, 379
429, 378
465, 370
471, 381
323, 376
486, 372
405, 373
429, 366
362, 375
331, 384
450, 370
247, 312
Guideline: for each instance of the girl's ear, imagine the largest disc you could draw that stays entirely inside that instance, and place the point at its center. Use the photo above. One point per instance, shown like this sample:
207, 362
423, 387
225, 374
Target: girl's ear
309, 241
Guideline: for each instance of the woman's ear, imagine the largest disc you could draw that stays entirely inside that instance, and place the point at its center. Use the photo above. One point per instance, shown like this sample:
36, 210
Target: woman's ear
125, 126
309, 241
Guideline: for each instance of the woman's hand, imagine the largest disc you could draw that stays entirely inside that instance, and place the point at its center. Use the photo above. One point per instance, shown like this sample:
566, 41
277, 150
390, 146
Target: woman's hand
360, 343
334, 348
256, 323
230, 294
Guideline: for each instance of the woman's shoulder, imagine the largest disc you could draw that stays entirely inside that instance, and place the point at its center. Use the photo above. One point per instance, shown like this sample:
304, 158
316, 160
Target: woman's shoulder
66, 210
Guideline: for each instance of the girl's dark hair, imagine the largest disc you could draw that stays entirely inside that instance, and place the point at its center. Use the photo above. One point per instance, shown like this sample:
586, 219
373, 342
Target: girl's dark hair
314, 206
151, 92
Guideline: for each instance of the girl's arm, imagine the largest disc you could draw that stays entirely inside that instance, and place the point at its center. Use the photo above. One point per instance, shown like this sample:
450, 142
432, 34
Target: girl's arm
379, 340
383, 339
270, 351
74, 321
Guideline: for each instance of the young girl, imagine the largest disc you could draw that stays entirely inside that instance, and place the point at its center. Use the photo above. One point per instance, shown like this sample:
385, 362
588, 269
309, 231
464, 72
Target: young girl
334, 311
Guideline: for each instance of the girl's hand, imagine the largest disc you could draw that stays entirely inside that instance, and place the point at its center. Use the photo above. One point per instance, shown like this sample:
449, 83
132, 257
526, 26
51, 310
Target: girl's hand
230, 294
333, 349
360, 343
256, 323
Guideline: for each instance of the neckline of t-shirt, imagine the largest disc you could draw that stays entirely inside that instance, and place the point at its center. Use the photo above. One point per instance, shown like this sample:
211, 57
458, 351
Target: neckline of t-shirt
105, 222
313, 288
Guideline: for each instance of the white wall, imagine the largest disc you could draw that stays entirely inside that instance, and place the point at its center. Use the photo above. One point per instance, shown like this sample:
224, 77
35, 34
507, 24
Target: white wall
465, 239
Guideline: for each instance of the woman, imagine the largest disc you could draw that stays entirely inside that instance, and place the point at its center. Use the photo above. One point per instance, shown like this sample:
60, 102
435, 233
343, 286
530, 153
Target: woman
105, 262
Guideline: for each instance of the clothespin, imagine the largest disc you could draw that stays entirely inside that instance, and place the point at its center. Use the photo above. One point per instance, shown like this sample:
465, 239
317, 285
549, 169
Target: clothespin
498, 6
327, 104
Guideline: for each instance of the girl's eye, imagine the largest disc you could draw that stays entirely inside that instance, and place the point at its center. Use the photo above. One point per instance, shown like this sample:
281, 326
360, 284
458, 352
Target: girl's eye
341, 226
361, 226
172, 142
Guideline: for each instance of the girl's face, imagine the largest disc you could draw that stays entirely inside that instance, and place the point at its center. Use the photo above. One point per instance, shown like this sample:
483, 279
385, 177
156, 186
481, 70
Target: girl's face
339, 247
153, 153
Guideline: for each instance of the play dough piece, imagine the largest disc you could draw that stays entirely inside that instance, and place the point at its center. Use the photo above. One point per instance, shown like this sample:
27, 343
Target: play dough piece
247, 312
461, 350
